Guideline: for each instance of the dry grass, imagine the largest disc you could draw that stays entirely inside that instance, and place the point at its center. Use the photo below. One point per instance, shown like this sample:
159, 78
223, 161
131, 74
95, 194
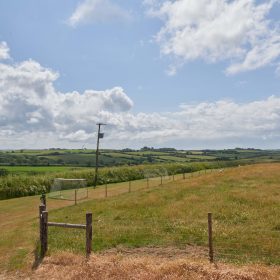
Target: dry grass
147, 267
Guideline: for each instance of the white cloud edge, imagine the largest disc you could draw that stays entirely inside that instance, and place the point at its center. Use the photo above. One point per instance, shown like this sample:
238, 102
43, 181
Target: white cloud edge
257, 47
69, 118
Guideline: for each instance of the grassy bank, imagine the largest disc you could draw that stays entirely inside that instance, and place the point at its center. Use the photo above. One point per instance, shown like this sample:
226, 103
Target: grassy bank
18, 185
245, 203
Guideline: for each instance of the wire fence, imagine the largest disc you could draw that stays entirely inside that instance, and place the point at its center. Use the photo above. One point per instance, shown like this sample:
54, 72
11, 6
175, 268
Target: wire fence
77, 193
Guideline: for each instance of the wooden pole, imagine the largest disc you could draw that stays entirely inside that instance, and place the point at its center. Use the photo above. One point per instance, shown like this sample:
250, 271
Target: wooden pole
44, 236
75, 197
106, 190
161, 180
88, 234
129, 186
210, 238
41, 209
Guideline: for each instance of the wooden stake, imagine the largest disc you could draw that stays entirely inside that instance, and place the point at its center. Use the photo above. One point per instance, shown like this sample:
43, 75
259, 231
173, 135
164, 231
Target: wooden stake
210, 239
41, 209
88, 234
44, 236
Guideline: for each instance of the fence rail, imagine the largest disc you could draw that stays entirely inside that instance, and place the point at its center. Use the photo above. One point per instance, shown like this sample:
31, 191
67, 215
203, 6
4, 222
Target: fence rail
44, 224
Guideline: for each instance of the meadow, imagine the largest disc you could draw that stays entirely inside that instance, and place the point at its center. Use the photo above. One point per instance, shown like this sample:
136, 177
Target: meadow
245, 202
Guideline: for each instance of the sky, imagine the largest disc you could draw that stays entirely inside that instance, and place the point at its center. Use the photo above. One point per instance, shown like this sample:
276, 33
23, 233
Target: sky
189, 74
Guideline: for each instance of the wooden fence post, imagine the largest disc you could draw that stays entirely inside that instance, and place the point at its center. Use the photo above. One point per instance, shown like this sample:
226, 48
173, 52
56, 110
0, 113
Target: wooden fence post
42, 208
44, 231
88, 233
161, 180
106, 190
210, 239
129, 186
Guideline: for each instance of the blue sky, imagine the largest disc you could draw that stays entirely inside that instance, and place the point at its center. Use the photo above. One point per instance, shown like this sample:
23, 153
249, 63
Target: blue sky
147, 59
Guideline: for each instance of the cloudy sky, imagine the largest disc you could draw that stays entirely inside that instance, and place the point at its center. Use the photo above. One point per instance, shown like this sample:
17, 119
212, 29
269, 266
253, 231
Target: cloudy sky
177, 73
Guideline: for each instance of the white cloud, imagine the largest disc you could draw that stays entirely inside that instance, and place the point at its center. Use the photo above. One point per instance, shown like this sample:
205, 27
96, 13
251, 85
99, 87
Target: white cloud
239, 31
4, 51
97, 11
33, 113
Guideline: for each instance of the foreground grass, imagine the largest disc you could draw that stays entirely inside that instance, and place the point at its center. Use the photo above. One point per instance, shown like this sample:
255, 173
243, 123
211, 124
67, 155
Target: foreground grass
244, 202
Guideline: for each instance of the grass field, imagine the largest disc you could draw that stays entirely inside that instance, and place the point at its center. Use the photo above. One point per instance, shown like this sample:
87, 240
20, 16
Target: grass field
245, 202
39, 169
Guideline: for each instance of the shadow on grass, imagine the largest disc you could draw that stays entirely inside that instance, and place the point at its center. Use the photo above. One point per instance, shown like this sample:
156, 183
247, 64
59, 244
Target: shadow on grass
37, 256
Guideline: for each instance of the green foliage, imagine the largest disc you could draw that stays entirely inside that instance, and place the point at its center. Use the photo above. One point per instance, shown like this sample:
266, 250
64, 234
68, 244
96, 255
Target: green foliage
3, 172
24, 185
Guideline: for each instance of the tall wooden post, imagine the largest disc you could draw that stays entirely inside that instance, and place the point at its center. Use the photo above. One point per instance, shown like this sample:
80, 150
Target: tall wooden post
44, 235
42, 208
75, 197
88, 234
210, 238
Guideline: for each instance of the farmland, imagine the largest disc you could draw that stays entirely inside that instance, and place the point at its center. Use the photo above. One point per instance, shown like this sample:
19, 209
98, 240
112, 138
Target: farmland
31, 172
244, 201
58, 158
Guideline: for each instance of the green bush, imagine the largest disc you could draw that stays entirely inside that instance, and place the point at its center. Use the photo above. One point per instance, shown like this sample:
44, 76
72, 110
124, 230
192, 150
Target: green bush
3, 172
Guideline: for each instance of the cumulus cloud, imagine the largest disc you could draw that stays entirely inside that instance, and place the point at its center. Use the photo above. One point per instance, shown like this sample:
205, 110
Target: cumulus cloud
97, 11
33, 113
239, 32
4, 51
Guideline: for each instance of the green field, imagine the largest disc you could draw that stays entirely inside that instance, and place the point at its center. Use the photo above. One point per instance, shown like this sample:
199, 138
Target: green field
86, 158
245, 202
